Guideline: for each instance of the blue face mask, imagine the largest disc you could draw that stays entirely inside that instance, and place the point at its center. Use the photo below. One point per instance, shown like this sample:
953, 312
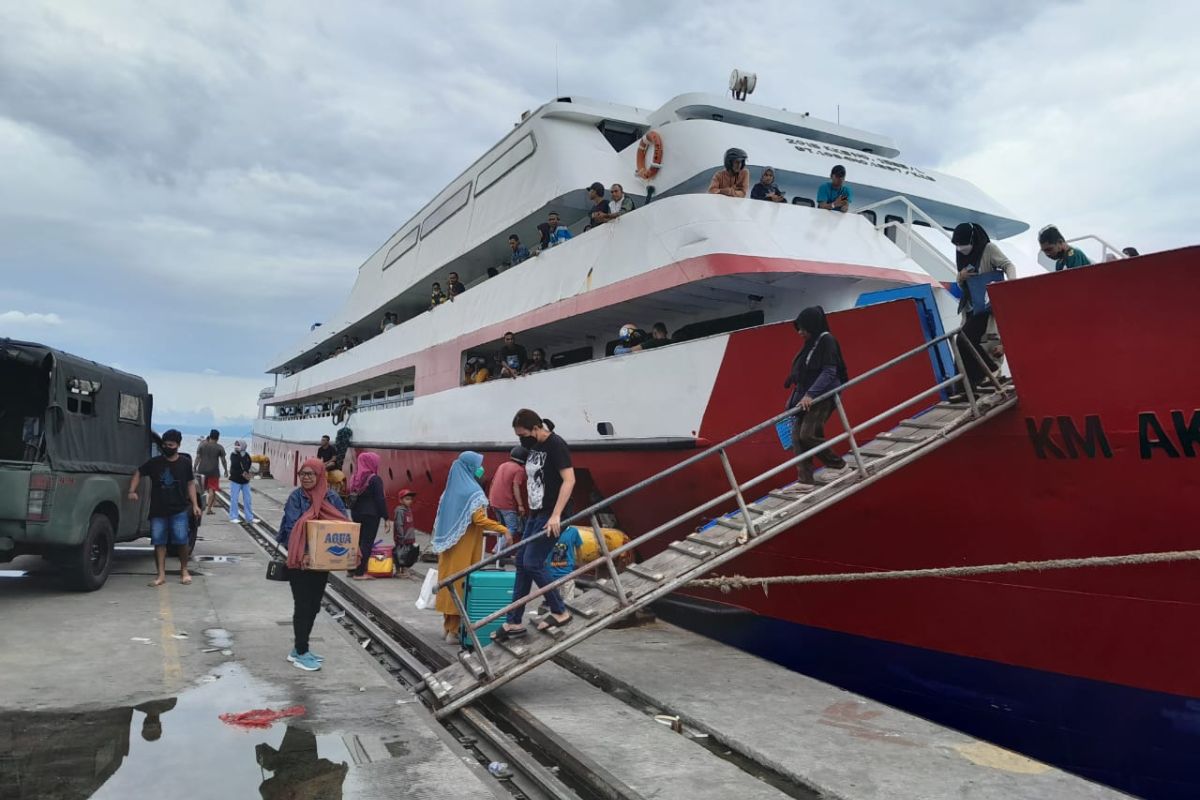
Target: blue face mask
479, 472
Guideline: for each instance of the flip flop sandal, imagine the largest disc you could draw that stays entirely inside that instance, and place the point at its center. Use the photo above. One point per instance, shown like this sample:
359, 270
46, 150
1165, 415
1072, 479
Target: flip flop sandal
551, 624
504, 634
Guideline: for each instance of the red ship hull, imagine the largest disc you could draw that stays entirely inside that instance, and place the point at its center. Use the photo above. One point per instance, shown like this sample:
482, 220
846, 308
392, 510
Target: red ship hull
1094, 669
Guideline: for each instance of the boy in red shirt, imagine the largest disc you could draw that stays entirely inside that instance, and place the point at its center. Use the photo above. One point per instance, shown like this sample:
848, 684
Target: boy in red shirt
507, 495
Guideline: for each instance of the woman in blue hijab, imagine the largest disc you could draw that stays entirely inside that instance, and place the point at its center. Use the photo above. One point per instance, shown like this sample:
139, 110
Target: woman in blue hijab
458, 531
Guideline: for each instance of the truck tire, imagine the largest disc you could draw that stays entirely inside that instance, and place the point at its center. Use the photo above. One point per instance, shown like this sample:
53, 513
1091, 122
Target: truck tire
88, 565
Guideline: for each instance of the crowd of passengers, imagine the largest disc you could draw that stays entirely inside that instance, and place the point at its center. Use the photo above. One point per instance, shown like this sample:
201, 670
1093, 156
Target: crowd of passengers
733, 180
512, 360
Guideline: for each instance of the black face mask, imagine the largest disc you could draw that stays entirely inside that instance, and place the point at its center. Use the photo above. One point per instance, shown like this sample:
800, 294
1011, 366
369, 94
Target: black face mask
528, 441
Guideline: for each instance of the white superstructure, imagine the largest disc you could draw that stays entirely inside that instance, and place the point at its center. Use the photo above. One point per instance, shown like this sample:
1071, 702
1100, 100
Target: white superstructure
704, 263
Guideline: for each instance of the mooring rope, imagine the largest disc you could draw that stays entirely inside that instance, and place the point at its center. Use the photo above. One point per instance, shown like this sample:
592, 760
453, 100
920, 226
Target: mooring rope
730, 582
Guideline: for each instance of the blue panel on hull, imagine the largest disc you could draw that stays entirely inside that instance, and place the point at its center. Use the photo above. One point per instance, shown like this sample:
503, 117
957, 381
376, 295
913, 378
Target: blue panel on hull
1138, 741
931, 321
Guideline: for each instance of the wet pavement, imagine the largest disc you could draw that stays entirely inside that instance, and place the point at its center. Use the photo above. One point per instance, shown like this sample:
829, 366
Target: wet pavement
119, 693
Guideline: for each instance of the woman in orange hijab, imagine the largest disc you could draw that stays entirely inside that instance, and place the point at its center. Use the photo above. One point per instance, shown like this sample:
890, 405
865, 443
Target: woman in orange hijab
313, 500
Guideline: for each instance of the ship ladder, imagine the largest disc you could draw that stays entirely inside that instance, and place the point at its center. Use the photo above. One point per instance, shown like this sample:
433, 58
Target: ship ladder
618, 594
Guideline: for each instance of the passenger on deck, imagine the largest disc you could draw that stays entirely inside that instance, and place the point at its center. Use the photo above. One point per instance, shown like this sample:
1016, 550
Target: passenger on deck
437, 296
976, 255
544, 235
632, 338
816, 369
835, 194
512, 357
766, 189
658, 337
390, 320
1055, 246
621, 203
536, 363
600, 212
454, 287
347, 344
519, 251
475, 371
734, 179
555, 233
458, 532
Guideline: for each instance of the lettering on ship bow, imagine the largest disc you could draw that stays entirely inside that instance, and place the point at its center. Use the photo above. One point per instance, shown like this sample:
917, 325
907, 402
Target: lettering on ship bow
1060, 437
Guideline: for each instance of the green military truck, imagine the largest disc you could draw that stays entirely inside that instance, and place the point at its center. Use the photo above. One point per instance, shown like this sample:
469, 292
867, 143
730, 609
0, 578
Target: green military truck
71, 434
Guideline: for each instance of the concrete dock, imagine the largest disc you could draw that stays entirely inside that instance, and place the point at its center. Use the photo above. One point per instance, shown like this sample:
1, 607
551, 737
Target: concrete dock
118, 693
785, 734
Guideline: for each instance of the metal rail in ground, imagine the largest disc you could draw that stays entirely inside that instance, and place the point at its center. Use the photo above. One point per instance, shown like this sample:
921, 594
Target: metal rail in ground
540, 766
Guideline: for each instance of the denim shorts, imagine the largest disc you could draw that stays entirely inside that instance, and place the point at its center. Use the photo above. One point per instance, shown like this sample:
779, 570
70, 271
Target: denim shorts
169, 530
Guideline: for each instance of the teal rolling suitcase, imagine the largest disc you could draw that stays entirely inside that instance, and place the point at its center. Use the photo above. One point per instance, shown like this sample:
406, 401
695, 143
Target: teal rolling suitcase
488, 590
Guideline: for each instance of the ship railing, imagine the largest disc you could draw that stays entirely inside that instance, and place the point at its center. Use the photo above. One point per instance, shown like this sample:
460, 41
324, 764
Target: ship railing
719, 452
1106, 248
911, 228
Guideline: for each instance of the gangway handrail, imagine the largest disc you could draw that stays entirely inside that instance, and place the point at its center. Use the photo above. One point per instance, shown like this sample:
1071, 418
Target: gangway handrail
608, 558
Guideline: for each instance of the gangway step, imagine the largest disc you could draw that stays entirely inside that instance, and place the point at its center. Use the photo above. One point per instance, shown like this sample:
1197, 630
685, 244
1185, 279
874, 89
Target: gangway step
697, 554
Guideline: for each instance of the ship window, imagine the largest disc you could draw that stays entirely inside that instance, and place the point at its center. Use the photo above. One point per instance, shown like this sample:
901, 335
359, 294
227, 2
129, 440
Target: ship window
804, 201
870, 215
891, 232
406, 243
446, 210
506, 163
619, 134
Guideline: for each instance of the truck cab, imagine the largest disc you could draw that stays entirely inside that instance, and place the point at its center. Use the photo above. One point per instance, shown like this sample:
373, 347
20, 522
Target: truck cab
71, 434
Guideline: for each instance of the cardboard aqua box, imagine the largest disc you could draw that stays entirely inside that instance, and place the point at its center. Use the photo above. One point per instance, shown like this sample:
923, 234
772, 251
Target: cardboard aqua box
332, 544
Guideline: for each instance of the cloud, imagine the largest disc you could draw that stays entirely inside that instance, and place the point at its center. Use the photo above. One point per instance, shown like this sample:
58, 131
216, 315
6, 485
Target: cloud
33, 318
199, 182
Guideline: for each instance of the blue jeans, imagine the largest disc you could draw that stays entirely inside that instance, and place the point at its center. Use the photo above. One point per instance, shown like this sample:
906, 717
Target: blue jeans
512, 520
242, 489
170, 530
532, 569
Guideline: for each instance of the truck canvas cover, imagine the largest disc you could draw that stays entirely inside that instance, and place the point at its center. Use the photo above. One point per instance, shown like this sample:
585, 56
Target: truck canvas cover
97, 419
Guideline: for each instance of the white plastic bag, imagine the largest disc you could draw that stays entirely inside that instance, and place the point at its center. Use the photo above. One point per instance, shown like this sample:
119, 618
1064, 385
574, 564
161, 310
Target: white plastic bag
428, 591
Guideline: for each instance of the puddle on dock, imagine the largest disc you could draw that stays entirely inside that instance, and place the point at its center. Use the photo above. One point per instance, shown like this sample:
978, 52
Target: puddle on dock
14, 573
178, 747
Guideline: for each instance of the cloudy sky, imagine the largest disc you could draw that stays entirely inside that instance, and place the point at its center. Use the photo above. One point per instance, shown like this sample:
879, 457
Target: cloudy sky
186, 187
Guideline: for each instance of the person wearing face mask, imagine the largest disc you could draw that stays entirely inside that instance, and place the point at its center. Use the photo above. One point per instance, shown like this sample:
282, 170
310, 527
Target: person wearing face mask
976, 254
239, 483
817, 369
458, 531
172, 495
550, 482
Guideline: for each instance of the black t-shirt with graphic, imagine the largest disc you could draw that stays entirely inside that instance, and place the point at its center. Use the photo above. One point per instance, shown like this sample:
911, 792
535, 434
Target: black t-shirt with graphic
513, 356
546, 460
169, 481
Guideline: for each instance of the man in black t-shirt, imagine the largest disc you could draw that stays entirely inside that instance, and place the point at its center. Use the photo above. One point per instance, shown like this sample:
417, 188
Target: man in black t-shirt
328, 454
172, 497
512, 357
551, 479
600, 210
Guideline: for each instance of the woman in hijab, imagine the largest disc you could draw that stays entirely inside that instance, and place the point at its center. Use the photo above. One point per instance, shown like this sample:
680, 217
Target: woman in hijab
976, 254
766, 189
816, 369
312, 500
458, 531
369, 506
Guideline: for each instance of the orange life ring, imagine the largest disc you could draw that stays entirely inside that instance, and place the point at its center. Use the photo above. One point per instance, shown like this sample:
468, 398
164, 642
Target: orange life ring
647, 172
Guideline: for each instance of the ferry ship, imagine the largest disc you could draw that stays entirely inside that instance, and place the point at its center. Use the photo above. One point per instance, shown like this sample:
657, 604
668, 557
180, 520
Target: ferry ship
1092, 669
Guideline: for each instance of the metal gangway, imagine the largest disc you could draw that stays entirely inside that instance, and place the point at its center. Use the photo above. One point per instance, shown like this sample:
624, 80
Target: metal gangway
622, 592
